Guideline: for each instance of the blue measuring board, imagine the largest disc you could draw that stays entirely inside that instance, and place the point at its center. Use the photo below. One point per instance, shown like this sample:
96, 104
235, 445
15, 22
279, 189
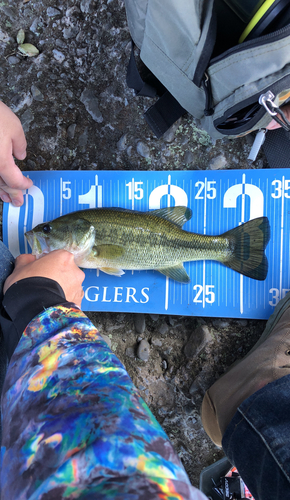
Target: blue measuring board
220, 200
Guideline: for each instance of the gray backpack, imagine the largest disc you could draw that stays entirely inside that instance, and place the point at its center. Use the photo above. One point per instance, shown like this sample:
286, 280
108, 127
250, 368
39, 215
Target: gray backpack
233, 88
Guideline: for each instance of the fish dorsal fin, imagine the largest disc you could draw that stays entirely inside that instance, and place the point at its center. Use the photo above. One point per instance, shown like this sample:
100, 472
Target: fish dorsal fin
107, 251
177, 273
178, 215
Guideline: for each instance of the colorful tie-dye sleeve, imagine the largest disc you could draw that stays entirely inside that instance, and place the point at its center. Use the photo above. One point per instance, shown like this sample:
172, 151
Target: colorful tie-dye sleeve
75, 426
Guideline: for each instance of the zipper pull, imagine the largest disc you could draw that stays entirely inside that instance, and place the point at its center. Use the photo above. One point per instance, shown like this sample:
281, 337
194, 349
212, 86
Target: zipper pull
267, 100
259, 140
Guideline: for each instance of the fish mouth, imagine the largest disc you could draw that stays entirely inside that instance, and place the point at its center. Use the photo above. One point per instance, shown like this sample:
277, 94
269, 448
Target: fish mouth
39, 244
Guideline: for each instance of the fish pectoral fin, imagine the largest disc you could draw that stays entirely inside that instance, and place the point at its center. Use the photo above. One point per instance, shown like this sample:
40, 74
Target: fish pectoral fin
112, 270
108, 251
178, 215
177, 273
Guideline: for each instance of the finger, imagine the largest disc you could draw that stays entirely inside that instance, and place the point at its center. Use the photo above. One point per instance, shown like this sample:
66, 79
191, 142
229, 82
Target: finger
4, 196
67, 260
17, 199
62, 257
19, 145
13, 178
80, 277
13, 134
14, 195
24, 259
273, 125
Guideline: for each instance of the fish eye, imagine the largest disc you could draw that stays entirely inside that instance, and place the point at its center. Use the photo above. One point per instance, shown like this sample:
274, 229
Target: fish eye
46, 228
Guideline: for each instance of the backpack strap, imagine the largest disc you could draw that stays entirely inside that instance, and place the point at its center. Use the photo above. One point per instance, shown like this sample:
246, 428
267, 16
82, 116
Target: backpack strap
161, 115
134, 80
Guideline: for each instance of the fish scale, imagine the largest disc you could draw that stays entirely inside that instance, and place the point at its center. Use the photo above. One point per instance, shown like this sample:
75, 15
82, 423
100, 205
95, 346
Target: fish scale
158, 234
114, 240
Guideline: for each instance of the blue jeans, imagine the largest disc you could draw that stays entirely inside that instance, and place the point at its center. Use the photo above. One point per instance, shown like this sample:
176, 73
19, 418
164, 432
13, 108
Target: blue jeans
6, 268
257, 441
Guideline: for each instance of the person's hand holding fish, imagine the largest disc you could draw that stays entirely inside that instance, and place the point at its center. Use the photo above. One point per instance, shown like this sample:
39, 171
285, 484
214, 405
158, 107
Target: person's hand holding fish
12, 143
58, 266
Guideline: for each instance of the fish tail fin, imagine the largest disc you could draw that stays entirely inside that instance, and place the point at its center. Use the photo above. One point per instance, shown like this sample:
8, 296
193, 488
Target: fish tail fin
248, 243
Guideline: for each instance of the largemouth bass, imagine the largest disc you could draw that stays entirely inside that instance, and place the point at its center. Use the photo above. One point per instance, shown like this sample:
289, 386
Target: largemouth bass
114, 239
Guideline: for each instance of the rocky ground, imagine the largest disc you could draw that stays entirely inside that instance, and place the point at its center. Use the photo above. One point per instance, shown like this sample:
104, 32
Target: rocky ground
78, 114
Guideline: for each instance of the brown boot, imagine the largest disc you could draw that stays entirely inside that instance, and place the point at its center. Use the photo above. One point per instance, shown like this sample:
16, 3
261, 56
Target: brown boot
267, 361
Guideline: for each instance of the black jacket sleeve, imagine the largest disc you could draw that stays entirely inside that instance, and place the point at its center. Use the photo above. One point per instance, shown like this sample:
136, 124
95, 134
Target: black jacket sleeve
24, 300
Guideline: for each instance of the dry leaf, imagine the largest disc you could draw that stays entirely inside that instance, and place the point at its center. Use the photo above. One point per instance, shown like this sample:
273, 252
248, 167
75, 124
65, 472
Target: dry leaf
27, 49
20, 36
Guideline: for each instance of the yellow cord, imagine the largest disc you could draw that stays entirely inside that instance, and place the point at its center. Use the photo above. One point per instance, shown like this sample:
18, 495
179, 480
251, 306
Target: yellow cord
254, 21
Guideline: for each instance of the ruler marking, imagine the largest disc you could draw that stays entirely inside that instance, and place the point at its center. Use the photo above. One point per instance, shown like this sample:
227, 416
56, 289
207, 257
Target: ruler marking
133, 193
167, 279
282, 236
26, 198
266, 212
242, 221
61, 190
204, 214
204, 232
190, 295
